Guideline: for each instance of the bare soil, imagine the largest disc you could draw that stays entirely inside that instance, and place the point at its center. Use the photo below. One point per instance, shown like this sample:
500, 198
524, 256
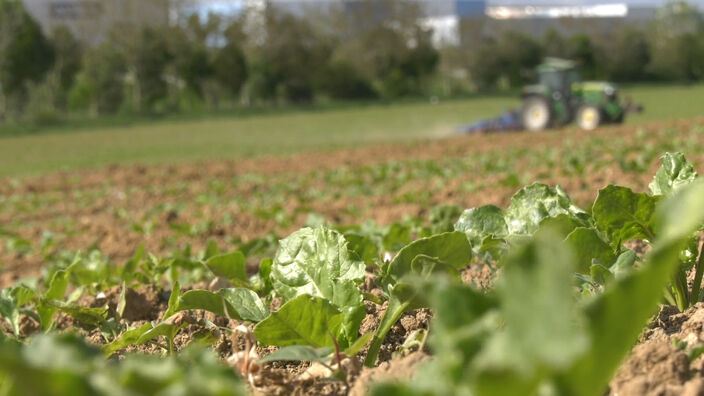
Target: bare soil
169, 207
657, 366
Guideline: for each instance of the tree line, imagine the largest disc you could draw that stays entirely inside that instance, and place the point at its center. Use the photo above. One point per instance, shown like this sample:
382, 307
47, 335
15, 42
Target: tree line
216, 62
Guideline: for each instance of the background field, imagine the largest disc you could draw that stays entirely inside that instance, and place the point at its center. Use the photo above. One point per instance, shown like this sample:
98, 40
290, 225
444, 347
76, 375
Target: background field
96, 223
230, 137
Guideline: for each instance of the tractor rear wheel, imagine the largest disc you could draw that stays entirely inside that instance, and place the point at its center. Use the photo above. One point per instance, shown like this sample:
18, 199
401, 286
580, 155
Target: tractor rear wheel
588, 117
536, 114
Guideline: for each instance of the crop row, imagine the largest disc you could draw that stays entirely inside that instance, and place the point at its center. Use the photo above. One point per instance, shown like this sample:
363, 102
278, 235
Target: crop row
569, 301
239, 209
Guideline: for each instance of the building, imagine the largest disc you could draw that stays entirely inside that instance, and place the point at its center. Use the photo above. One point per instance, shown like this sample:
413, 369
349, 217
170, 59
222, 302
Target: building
90, 20
442, 16
452, 21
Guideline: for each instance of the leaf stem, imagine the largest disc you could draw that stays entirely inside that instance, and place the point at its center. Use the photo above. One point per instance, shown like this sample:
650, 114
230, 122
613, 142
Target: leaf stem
679, 283
669, 296
391, 316
698, 274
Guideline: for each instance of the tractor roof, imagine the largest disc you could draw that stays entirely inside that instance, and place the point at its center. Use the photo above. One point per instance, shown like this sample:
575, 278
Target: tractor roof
556, 64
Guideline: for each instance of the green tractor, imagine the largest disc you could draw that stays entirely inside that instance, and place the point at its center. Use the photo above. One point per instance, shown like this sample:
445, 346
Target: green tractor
560, 97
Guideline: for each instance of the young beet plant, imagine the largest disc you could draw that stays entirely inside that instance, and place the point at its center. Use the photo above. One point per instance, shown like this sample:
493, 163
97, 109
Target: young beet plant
234, 303
617, 217
317, 277
442, 253
530, 335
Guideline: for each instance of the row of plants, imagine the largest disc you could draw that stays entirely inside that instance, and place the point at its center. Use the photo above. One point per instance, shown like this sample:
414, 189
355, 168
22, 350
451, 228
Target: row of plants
291, 200
569, 302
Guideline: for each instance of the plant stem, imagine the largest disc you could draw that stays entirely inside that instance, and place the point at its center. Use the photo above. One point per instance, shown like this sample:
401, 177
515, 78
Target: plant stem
669, 296
681, 290
392, 315
698, 273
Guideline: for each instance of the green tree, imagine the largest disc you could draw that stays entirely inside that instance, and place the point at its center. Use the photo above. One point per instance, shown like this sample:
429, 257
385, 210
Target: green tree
485, 66
341, 80
103, 78
673, 21
627, 58
397, 59
230, 67
286, 66
520, 55
25, 54
554, 44
691, 50
580, 48
150, 59
68, 54
385, 44
190, 60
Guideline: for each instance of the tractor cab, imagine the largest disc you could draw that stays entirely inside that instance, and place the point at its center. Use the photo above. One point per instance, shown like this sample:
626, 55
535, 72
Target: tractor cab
558, 75
560, 96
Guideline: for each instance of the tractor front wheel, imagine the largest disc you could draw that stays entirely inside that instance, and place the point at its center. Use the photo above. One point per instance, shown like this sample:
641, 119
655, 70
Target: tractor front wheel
588, 118
536, 114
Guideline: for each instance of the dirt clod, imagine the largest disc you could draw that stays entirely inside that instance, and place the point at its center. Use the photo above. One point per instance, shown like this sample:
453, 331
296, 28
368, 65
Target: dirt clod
401, 369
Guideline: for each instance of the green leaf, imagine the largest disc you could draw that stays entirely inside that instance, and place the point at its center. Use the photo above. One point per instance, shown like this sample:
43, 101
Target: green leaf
442, 218
10, 311
536, 295
493, 248
202, 299
397, 236
305, 320
130, 266
235, 303
122, 302
316, 262
231, 266
617, 316
675, 173
560, 225
359, 345
23, 294
587, 246
172, 308
363, 246
265, 275
90, 316
536, 202
127, 338
450, 249
480, 223
457, 335
600, 274
211, 249
352, 319
55, 356
624, 215
443, 253
244, 304
56, 291
299, 353
67, 365
624, 264
165, 329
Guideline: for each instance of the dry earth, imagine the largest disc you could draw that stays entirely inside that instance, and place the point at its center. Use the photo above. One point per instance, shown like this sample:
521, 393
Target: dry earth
118, 208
